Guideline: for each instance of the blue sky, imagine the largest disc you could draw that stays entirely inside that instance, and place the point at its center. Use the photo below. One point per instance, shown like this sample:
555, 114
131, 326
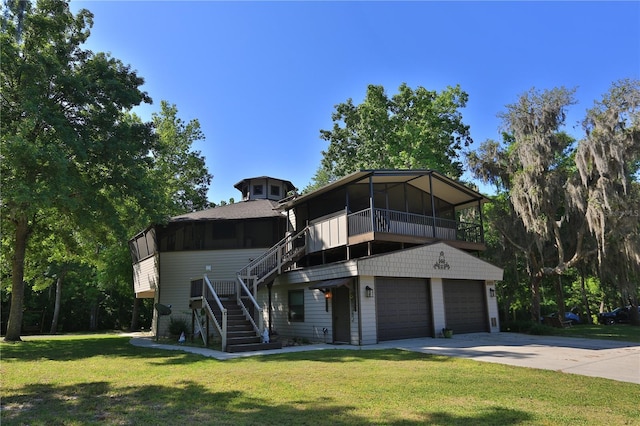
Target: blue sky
263, 77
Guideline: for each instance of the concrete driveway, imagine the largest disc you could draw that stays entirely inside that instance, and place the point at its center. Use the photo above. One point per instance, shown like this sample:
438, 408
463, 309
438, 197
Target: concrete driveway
597, 358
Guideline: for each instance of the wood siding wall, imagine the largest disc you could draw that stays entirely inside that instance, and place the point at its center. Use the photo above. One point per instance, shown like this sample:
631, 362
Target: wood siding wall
316, 318
145, 277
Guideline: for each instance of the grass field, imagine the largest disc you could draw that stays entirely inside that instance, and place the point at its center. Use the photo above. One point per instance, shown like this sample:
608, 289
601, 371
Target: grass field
102, 379
622, 332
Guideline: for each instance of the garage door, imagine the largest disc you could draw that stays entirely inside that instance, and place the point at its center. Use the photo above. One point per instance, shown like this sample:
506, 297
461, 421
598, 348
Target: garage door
464, 306
403, 308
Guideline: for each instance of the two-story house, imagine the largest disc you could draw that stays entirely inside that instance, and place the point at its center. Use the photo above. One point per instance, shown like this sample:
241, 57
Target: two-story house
377, 255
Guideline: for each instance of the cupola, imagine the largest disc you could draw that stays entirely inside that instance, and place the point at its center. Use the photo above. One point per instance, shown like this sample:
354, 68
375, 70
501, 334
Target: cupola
264, 188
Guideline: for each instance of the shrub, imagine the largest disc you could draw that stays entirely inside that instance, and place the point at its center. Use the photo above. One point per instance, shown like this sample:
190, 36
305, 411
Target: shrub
178, 325
518, 326
541, 330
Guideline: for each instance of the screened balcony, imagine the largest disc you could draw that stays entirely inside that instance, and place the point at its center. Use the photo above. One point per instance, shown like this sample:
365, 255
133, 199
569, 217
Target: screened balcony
385, 207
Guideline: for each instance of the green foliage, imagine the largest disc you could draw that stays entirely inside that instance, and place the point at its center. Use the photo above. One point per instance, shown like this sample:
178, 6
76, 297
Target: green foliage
180, 173
178, 325
413, 129
552, 197
80, 173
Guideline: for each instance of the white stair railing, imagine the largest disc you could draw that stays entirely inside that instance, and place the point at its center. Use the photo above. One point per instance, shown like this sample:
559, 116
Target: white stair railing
242, 288
273, 259
221, 324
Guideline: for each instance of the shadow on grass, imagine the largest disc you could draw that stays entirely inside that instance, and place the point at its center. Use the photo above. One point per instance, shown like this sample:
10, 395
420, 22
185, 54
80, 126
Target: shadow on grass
188, 402
63, 348
350, 355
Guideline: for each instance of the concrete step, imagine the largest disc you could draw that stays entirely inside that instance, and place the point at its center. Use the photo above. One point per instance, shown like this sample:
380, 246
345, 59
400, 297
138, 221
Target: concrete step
232, 341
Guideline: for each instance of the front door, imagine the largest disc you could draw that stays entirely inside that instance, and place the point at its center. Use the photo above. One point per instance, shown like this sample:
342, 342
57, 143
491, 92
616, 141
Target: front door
341, 315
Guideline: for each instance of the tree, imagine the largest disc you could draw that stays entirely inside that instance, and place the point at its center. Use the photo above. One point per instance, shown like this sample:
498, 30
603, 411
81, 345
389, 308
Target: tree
573, 201
180, 180
413, 129
181, 172
532, 167
608, 193
65, 142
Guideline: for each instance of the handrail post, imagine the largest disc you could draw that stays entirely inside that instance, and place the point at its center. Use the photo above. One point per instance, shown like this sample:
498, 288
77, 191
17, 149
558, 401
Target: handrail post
224, 330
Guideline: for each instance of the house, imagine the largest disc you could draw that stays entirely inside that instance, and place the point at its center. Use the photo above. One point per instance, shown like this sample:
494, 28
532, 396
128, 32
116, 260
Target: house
377, 255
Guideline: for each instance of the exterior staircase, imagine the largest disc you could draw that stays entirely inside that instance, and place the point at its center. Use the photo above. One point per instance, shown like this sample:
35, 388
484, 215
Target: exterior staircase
241, 336
236, 314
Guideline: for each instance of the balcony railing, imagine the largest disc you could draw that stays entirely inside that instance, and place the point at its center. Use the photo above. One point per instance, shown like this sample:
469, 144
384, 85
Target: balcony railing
414, 225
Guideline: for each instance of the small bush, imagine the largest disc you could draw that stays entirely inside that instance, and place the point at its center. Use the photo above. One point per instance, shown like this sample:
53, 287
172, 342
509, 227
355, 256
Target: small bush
178, 325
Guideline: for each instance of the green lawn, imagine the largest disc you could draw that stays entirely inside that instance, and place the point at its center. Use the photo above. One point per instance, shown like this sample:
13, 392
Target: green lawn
102, 379
623, 332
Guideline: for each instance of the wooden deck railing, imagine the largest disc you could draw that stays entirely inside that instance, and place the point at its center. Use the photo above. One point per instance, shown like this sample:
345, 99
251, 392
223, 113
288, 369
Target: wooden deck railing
415, 225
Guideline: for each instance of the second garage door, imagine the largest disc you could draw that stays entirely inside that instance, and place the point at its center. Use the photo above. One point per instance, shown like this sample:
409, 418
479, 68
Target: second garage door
464, 306
403, 308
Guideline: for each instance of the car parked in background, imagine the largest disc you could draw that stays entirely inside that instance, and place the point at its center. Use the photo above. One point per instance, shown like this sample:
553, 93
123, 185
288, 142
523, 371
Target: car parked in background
617, 316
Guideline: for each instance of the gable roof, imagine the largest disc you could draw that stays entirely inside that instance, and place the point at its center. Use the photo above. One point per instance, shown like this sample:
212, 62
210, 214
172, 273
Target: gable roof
253, 209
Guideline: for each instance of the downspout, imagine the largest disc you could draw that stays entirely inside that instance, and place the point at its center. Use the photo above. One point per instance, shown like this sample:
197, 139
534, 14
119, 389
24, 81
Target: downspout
159, 286
433, 205
359, 302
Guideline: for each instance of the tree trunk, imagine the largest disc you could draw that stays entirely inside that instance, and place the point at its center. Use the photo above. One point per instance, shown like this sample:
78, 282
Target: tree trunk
634, 315
535, 298
585, 300
93, 318
135, 315
560, 298
14, 325
56, 309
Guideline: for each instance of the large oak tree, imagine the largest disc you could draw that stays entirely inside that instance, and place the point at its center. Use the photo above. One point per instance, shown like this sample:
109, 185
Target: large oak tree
567, 201
66, 142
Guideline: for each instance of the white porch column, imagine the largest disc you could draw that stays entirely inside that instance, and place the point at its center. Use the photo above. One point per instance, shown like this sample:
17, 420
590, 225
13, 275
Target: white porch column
437, 303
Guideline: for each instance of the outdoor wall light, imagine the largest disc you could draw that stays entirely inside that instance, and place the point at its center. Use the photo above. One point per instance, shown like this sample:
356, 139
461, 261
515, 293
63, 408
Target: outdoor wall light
368, 291
492, 292
327, 297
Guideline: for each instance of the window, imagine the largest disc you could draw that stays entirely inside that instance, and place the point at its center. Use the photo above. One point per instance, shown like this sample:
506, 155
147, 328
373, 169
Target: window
257, 189
296, 305
275, 190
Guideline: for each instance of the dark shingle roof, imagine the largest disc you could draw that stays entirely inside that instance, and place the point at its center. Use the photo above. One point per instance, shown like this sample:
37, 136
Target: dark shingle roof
243, 210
